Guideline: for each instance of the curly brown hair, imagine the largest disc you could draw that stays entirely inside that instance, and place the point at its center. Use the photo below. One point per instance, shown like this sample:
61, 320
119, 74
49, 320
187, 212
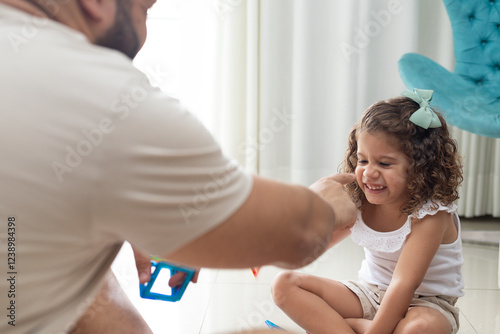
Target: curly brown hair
435, 170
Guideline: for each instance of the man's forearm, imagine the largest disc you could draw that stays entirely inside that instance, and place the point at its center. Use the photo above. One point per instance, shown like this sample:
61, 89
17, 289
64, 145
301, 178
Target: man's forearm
278, 224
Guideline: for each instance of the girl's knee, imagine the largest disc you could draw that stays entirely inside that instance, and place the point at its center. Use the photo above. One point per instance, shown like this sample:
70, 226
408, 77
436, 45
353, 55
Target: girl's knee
415, 326
424, 323
282, 285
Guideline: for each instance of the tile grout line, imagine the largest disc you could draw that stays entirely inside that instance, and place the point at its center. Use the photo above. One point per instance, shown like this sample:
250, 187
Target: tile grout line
212, 284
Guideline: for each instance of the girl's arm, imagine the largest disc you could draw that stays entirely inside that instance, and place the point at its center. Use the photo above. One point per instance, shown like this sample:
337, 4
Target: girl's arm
418, 252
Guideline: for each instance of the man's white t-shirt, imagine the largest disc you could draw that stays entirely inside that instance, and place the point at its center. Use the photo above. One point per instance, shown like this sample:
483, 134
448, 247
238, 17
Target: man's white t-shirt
92, 155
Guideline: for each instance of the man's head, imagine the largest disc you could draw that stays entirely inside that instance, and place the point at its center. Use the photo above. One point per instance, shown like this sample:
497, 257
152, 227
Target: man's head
122, 35
117, 24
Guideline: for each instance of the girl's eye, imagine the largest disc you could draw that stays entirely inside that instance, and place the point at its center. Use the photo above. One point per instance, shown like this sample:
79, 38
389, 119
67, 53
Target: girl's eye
384, 164
362, 162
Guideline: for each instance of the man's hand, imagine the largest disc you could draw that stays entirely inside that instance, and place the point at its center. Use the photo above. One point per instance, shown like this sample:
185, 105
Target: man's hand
178, 278
143, 264
331, 189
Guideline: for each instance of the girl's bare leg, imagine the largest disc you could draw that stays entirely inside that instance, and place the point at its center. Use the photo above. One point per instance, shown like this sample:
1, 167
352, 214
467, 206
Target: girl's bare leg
423, 320
317, 304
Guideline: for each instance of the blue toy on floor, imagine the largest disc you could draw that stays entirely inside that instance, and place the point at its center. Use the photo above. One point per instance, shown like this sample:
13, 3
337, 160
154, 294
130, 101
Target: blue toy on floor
273, 326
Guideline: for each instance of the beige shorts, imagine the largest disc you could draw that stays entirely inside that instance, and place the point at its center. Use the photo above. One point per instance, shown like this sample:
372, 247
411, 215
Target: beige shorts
371, 296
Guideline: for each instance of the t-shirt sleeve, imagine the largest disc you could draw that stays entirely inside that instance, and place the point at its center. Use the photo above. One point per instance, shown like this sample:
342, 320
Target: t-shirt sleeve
163, 178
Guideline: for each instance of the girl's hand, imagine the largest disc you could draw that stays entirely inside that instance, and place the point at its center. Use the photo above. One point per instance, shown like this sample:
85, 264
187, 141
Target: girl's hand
359, 325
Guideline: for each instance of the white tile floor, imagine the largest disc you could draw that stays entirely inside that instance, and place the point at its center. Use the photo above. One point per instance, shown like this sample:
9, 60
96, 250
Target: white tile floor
226, 301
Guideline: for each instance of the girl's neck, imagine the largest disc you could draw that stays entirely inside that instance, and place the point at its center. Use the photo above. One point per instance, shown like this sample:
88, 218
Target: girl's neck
383, 218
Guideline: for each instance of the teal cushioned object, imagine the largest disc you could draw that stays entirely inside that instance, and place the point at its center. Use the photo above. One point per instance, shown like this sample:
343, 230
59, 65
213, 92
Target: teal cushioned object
469, 98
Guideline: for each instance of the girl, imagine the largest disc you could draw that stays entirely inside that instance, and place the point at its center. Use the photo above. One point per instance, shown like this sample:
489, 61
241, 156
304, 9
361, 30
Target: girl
407, 172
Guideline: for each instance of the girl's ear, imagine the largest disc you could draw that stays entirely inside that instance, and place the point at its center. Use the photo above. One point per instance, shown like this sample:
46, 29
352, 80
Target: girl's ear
99, 10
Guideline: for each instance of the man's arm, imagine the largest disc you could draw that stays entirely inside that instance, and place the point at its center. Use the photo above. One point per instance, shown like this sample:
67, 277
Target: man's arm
279, 224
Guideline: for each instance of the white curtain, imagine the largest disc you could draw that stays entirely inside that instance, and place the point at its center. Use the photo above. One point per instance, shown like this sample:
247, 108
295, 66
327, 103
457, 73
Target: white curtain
480, 192
281, 82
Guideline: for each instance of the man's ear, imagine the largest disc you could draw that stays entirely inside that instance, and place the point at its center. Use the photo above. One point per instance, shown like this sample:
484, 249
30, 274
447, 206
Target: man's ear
99, 10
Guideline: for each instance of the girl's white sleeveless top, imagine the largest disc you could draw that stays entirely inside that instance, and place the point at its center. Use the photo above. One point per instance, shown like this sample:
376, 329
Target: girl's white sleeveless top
382, 251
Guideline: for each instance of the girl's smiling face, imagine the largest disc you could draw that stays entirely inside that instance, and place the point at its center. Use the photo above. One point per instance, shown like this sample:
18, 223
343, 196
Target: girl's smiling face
381, 170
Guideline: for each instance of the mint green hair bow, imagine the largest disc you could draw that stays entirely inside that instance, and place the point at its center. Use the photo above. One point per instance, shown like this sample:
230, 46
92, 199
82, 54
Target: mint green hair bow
424, 117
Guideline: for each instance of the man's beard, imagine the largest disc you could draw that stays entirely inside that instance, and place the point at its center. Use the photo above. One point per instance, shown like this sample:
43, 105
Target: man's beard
122, 35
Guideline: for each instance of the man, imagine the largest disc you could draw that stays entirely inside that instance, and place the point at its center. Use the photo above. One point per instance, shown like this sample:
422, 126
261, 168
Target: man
92, 155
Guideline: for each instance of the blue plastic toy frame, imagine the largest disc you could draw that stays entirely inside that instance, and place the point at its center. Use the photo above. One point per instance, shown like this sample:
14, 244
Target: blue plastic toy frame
176, 292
